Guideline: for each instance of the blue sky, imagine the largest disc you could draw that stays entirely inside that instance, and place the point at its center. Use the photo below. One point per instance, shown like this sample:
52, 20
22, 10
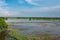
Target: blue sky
30, 8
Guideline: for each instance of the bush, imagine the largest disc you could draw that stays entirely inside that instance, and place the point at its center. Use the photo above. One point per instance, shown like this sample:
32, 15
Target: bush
3, 24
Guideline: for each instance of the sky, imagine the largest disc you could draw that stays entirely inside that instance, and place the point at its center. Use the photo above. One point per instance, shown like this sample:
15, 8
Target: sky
29, 8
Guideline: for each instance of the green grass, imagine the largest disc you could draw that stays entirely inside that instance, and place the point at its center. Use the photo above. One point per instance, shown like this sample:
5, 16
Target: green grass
17, 36
45, 37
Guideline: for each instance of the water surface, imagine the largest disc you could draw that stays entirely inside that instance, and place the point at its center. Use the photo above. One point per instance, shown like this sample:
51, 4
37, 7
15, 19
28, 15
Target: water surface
35, 27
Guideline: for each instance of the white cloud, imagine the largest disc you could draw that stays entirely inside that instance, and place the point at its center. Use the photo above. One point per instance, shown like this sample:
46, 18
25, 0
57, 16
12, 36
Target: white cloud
20, 1
37, 11
3, 8
31, 2
35, 2
2, 3
14, 12
41, 9
6, 11
43, 2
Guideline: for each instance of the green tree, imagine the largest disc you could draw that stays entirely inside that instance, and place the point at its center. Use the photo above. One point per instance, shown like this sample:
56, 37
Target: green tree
3, 27
3, 24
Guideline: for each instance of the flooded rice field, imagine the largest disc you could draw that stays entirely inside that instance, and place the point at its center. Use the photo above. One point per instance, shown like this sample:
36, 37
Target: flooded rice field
35, 28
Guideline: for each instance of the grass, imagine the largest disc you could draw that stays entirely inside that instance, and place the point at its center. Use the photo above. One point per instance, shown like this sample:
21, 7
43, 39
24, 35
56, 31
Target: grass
45, 37
17, 36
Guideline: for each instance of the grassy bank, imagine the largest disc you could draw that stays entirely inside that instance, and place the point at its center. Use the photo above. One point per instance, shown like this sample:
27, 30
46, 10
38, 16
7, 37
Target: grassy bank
6, 31
45, 37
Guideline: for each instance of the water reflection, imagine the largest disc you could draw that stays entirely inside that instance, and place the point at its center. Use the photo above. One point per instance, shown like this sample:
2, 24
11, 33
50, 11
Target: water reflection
36, 27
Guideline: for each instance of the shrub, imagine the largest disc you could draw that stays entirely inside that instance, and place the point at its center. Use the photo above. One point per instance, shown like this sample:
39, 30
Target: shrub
3, 24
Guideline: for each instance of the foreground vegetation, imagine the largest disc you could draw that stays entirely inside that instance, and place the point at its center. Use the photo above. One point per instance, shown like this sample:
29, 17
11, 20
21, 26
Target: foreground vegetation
3, 24
5, 31
45, 37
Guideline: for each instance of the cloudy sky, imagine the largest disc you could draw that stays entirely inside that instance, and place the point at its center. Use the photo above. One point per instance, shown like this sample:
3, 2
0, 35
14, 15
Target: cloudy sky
30, 8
